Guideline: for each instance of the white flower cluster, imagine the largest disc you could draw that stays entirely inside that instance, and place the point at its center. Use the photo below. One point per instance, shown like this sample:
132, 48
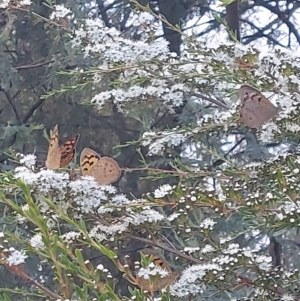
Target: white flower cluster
192, 280
163, 77
207, 224
13, 256
59, 12
45, 182
111, 46
6, 3
158, 142
84, 196
188, 284
152, 270
36, 241
107, 232
162, 191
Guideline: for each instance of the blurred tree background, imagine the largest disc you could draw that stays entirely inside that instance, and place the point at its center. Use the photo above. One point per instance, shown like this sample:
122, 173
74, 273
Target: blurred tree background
42, 83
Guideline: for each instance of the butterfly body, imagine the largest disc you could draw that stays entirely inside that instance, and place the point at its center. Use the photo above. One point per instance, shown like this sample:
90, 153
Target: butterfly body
59, 156
74, 175
105, 170
255, 109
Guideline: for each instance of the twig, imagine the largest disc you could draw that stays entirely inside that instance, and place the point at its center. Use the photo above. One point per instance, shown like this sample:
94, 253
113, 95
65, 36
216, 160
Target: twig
161, 246
177, 172
218, 103
17, 270
220, 161
11, 102
32, 65
32, 110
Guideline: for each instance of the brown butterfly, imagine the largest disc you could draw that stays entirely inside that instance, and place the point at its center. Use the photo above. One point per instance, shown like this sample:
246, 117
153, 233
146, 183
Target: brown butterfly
153, 286
105, 170
58, 155
255, 109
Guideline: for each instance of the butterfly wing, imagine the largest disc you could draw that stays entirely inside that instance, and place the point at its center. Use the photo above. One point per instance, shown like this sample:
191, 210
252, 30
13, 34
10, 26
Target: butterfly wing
106, 171
162, 282
256, 109
68, 150
88, 160
54, 150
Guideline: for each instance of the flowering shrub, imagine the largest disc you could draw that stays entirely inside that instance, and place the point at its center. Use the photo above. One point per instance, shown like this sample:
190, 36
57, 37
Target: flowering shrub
228, 229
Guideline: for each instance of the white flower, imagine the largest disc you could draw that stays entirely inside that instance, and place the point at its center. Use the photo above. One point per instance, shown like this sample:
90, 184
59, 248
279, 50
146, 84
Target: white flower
59, 12
186, 68
232, 249
225, 240
25, 2
208, 223
28, 160
4, 3
191, 250
45, 181
188, 282
88, 194
120, 199
16, 257
71, 236
101, 98
145, 17
112, 229
264, 262
147, 215
37, 242
287, 297
169, 139
173, 216
152, 270
162, 191
207, 249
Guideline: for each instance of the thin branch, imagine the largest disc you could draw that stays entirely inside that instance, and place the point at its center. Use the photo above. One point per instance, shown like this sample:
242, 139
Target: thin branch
32, 65
164, 247
33, 109
217, 102
179, 173
260, 34
103, 13
14, 108
283, 16
17, 270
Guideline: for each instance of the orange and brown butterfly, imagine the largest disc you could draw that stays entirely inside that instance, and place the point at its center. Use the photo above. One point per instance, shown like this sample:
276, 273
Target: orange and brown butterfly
60, 155
162, 282
255, 108
105, 170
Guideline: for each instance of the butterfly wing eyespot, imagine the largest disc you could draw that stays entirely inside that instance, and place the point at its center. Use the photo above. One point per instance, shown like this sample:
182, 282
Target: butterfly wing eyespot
255, 108
68, 150
54, 150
